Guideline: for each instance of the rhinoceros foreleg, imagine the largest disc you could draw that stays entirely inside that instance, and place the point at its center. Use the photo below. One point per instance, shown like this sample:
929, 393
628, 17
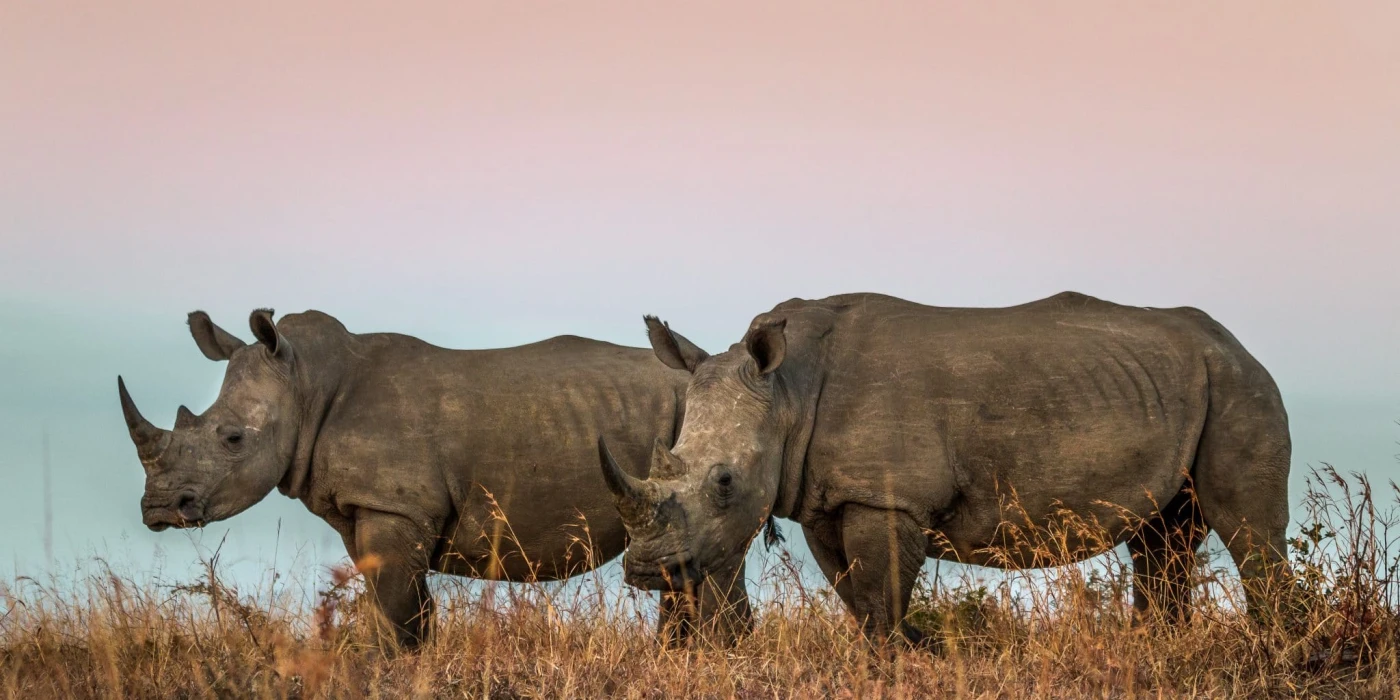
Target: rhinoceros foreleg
674, 624
393, 556
724, 614
824, 541
886, 549
719, 611
1164, 551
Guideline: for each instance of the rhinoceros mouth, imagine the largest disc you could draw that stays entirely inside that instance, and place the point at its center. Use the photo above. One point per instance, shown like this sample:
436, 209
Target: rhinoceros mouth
160, 522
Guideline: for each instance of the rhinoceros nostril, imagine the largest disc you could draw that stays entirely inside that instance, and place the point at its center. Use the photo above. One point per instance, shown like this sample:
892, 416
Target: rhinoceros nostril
188, 507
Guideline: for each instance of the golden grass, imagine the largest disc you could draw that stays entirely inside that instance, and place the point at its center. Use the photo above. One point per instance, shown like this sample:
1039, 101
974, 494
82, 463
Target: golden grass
1064, 632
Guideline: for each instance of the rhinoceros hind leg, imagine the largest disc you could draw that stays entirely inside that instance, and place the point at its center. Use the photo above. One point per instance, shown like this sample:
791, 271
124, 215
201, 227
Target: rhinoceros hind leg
1241, 479
1164, 552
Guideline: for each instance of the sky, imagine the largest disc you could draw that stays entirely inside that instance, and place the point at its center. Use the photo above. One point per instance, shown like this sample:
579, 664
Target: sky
485, 174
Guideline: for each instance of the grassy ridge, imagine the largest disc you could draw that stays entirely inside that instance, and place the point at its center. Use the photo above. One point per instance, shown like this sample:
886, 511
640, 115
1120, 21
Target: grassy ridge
1066, 632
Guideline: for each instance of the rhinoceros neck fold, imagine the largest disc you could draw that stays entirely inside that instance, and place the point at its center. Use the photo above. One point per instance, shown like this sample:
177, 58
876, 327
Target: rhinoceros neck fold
801, 378
803, 414
321, 359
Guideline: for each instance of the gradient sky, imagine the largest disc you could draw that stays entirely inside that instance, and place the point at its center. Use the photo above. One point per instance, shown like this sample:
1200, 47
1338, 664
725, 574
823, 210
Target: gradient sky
486, 174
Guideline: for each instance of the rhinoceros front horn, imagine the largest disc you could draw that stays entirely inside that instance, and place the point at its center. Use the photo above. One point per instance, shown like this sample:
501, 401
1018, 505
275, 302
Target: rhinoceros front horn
147, 437
630, 491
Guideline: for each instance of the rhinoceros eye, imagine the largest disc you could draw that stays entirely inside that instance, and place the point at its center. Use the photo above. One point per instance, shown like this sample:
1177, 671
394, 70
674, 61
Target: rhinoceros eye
232, 437
724, 484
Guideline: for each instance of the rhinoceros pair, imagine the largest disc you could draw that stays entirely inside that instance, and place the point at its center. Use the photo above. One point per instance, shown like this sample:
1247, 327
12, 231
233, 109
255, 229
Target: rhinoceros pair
889, 430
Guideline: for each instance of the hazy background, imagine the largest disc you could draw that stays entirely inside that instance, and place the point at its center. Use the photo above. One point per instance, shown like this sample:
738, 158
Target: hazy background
492, 173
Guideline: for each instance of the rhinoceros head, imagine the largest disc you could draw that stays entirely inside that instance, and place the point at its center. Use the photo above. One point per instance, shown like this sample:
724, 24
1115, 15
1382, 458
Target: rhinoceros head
706, 498
217, 464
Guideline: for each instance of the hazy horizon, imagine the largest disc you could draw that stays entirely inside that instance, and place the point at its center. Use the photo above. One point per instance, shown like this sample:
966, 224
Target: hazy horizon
485, 175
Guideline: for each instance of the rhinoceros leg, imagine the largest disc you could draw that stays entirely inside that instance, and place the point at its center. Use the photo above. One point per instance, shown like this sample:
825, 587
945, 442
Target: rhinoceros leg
824, 541
1255, 538
1163, 551
1241, 476
724, 615
393, 556
674, 624
719, 611
886, 549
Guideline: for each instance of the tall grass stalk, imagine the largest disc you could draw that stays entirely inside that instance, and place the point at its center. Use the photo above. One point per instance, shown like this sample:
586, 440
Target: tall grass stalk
1068, 631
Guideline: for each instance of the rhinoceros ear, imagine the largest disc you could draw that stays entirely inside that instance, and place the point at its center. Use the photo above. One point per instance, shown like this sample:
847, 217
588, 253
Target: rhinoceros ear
266, 333
671, 347
766, 342
216, 343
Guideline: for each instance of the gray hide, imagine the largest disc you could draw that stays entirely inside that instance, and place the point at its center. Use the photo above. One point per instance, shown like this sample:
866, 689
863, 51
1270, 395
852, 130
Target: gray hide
893, 431
479, 463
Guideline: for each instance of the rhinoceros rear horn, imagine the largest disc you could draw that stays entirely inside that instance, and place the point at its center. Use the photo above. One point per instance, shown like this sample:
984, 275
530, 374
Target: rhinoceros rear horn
147, 437
664, 463
185, 418
630, 491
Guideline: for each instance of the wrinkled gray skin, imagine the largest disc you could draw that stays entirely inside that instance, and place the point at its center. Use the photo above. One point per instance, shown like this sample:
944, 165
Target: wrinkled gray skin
402, 446
893, 431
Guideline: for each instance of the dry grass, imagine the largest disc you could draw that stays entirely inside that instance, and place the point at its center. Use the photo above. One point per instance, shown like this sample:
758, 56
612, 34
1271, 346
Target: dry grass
1066, 632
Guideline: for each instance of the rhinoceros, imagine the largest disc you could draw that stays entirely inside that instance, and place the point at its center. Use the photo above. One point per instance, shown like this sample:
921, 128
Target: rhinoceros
478, 463
893, 431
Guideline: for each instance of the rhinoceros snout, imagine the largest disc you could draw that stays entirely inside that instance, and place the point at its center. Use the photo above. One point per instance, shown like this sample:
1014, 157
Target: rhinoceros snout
184, 510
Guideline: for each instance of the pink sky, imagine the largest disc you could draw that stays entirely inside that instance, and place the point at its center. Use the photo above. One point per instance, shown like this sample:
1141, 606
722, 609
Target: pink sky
711, 159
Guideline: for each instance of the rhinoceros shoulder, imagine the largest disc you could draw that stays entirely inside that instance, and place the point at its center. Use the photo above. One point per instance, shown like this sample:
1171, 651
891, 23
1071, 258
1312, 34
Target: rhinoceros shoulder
859, 303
